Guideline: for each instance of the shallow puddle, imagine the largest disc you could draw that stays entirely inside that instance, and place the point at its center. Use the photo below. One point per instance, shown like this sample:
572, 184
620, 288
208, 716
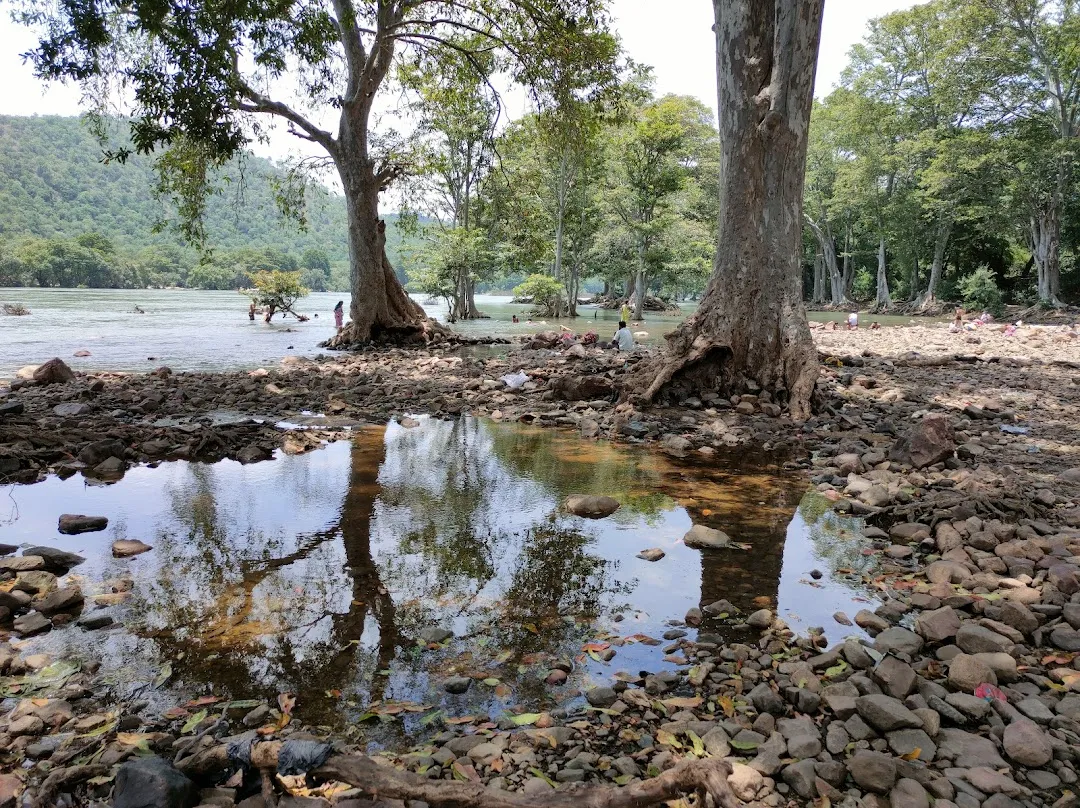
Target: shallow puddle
317, 574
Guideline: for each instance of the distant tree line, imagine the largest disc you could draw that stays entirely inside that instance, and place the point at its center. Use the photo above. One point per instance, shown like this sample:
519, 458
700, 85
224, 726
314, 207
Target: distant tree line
93, 261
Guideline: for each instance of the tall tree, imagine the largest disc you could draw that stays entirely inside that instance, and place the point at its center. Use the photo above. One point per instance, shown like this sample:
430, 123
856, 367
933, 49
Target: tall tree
1040, 50
654, 155
200, 75
751, 326
458, 111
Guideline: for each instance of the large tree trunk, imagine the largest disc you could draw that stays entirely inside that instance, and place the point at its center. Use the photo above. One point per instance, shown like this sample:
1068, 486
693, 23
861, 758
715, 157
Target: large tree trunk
883, 300
751, 325
823, 233
380, 310
640, 289
820, 280
1046, 250
941, 243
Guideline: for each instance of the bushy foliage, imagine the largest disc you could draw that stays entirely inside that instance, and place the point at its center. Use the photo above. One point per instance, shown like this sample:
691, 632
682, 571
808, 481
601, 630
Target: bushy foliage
277, 290
544, 291
981, 292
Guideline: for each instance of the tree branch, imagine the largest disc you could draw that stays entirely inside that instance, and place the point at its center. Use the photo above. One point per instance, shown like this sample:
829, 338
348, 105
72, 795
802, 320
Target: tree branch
355, 55
707, 776
262, 104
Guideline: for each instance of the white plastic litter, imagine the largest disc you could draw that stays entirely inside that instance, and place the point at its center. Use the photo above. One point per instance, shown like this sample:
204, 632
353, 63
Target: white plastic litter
515, 380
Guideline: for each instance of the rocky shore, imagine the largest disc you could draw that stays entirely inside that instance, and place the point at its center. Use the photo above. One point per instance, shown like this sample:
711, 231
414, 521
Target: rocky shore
961, 456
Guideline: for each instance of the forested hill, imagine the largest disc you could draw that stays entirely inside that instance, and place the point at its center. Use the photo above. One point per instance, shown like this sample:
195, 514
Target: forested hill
55, 187
53, 184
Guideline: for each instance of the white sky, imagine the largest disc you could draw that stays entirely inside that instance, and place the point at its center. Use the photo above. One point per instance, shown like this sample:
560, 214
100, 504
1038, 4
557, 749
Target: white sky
674, 36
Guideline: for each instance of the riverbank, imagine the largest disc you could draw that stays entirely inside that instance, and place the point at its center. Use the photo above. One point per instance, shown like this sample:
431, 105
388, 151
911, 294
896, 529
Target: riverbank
961, 456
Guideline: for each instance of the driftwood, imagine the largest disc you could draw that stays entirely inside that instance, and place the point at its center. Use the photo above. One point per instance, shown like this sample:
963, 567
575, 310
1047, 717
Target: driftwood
707, 778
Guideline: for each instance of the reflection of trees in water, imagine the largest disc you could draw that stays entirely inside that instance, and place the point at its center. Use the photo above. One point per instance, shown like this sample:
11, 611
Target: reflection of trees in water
432, 525
835, 538
563, 464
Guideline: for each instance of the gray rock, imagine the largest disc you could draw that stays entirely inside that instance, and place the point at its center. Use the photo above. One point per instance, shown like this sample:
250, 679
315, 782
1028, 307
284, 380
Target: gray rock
151, 782
1018, 616
884, 713
71, 409
908, 793
967, 672
435, 634
836, 738
591, 507
938, 625
873, 771
1027, 744
766, 700
967, 750
975, 639
804, 746
1036, 710
864, 618
60, 600
898, 640
601, 696
701, 537
903, 741
31, 623
77, 523
457, 684
1066, 638
971, 706
760, 619
800, 776
896, 678
95, 620
56, 560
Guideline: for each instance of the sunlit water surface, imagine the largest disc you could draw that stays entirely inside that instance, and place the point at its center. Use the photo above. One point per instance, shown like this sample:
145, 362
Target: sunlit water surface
315, 574
198, 330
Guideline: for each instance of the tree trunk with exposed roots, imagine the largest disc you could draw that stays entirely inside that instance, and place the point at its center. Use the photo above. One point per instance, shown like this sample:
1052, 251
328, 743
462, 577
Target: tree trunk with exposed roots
751, 325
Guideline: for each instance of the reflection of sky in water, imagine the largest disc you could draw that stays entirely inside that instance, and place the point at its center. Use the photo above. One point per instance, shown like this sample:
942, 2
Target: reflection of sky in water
315, 573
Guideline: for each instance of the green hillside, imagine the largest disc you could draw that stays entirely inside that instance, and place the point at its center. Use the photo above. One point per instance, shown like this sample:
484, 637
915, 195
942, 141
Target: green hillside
63, 210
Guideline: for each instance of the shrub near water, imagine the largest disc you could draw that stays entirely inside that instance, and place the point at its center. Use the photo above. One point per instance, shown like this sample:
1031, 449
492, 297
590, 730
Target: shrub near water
981, 292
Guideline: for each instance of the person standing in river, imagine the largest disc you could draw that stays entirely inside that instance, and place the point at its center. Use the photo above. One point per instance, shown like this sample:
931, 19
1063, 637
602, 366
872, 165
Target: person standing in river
339, 315
251, 311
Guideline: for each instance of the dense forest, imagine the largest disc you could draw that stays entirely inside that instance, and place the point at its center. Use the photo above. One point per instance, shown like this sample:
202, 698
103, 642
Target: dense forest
944, 166
68, 218
943, 169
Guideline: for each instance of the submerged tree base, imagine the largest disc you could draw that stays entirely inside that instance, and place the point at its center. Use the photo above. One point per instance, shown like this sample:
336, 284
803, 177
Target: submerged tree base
423, 332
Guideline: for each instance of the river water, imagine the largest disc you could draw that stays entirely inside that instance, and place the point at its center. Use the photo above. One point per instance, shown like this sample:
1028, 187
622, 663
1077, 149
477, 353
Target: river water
317, 573
199, 330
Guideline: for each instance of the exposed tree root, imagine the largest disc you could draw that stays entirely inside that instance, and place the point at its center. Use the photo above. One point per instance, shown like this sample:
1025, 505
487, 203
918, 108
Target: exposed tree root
706, 778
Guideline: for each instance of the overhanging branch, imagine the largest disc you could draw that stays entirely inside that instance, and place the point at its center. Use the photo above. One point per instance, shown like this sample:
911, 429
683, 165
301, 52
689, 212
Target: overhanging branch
260, 103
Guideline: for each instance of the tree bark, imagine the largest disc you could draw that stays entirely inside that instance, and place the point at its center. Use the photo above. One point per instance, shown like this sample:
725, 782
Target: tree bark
884, 299
1046, 250
819, 279
823, 233
941, 243
751, 324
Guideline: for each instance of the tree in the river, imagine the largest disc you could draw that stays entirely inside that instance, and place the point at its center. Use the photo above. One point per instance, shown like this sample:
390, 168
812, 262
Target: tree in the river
751, 328
277, 291
457, 112
199, 77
